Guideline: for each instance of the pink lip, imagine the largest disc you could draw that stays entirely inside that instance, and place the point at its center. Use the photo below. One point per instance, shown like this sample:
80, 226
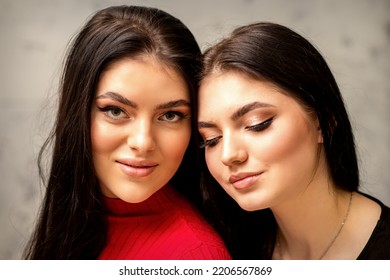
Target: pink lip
136, 168
244, 180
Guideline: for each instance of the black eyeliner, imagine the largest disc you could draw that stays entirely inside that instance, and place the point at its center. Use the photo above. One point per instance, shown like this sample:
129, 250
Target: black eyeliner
210, 143
261, 126
109, 107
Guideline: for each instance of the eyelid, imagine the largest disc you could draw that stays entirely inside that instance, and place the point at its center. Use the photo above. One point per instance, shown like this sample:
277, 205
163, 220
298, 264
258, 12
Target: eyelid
108, 108
210, 143
178, 114
260, 126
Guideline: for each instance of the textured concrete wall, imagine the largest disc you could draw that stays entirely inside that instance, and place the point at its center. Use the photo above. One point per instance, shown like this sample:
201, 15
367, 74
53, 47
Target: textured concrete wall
353, 35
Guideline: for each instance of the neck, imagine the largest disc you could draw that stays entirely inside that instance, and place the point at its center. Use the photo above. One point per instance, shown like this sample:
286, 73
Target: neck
156, 203
309, 225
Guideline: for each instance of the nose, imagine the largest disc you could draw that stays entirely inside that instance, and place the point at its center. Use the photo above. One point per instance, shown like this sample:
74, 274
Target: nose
233, 150
141, 137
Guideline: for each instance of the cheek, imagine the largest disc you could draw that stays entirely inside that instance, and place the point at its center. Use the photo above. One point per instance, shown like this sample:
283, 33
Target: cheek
175, 143
214, 164
289, 143
103, 138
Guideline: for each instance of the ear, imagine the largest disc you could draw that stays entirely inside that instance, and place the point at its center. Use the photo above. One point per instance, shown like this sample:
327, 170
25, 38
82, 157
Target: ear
320, 138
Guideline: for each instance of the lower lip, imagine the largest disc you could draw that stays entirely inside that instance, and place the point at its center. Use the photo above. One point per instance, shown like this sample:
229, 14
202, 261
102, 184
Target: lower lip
246, 182
136, 171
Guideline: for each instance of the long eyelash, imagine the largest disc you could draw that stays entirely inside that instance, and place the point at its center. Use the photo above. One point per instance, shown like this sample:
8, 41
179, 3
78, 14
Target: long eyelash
181, 115
109, 108
210, 143
260, 126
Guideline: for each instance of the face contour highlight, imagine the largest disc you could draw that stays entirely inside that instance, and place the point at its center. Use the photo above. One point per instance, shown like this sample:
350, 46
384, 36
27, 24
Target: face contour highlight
140, 128
260, 144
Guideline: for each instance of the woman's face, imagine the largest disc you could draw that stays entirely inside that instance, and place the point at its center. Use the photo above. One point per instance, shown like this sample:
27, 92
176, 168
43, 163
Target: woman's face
140, 128
260, 145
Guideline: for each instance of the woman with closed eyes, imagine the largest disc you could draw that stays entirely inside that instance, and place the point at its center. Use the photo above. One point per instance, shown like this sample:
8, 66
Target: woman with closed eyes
282, 179
124, 181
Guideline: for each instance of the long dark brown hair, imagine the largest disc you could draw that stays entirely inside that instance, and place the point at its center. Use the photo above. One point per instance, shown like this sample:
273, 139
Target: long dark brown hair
275, 53
71, 224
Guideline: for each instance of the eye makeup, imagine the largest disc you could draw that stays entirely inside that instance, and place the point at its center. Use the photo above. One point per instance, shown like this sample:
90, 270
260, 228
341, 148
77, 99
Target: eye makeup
260, 126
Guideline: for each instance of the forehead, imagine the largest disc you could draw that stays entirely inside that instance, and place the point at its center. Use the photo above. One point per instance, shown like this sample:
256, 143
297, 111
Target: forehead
223, 93
141, 74
143, 60
235, 88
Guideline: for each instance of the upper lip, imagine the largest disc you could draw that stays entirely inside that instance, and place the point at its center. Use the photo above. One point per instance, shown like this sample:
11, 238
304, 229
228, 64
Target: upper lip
140, 163
239, 176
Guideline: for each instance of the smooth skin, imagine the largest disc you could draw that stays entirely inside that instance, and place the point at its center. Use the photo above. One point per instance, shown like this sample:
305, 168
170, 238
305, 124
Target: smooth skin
140, 127
255, 139
265, 150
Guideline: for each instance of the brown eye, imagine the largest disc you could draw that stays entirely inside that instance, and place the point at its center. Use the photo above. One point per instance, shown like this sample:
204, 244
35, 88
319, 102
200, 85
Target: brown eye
113, 112
173, 116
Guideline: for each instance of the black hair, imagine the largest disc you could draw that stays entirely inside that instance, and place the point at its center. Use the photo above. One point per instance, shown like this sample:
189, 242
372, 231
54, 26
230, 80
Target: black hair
277, 54
71, 224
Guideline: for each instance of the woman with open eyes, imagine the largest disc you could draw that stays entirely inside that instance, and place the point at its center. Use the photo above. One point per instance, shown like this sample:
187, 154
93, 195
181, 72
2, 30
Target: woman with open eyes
124, 175
282, 179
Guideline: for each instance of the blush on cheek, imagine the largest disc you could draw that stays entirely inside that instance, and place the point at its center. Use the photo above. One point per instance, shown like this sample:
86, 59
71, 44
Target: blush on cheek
293, 152
104, 138
290, 139
279, 146
178, 148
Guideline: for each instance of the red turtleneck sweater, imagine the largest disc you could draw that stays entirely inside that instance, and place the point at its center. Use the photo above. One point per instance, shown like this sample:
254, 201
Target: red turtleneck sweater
164, 227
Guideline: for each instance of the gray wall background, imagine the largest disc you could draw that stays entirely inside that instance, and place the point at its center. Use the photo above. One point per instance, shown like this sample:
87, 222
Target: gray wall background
353, 35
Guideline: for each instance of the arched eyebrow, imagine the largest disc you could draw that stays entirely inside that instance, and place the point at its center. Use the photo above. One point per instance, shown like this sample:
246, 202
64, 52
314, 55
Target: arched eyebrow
237, 114
173, 104
247, 108
206, 125
117, 97
121, 99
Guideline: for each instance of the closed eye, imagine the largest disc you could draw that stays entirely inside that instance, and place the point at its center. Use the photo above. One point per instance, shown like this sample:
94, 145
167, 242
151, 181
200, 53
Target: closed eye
260, 126
210, 143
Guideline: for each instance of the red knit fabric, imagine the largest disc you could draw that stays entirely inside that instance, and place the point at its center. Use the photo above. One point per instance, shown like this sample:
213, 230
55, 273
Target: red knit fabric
164, 227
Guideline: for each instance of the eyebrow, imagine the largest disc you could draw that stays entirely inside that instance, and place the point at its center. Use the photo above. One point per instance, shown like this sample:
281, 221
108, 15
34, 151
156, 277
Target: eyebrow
206, 125
247, 108
174, 103
117, 97
124, 100
237, 114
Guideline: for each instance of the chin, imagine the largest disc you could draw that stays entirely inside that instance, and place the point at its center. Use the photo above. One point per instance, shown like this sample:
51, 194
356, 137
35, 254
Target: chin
135, 198
249, 205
